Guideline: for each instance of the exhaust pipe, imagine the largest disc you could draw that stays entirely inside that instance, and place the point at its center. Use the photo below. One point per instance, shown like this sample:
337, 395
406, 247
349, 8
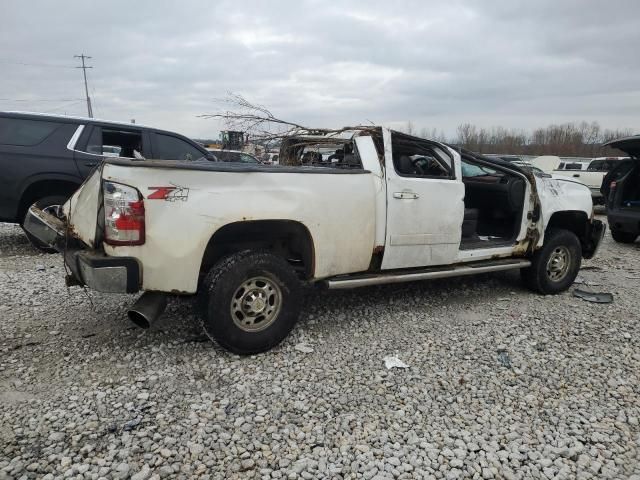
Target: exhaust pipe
147, 308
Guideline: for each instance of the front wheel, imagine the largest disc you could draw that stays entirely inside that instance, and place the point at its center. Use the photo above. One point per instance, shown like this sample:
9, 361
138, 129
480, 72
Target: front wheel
555, 266
623, 237
50, 204
250, 301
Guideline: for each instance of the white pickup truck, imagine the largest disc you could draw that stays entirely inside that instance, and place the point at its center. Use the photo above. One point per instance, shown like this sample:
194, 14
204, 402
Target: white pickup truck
592, 176
388, 208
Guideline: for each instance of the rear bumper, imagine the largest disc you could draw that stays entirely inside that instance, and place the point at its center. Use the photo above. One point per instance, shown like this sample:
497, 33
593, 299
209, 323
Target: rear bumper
46, 228
93, 269
627, 221
593, 240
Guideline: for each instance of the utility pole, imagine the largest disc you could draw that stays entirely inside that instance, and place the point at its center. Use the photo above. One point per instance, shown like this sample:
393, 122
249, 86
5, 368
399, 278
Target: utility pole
86, 89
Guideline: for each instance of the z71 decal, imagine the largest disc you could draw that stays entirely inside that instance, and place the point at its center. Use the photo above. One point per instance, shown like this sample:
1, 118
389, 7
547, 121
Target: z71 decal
172, 193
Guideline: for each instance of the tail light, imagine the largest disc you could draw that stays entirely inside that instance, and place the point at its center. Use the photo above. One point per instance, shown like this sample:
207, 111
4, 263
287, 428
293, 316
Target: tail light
123, 214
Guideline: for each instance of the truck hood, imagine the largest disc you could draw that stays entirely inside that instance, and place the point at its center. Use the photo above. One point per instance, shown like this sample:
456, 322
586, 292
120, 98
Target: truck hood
629, 145
563, 195
546, 163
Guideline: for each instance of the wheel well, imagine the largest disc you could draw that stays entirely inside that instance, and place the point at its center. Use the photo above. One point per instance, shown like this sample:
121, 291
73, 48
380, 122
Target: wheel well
574, 221
288, 239
41, 189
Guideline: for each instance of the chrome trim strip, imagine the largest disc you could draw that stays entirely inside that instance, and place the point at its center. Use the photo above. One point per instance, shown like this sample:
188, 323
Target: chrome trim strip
74, 138
379, 279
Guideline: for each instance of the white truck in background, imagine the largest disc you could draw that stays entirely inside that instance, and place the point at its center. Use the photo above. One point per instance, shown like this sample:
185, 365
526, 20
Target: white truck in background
592, 176
245, 238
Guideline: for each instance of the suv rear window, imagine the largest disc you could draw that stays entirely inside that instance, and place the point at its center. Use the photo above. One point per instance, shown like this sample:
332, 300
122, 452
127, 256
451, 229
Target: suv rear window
18, 131
167, 147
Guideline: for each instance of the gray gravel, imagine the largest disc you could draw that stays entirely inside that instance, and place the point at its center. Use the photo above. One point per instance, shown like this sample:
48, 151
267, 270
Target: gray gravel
502, 383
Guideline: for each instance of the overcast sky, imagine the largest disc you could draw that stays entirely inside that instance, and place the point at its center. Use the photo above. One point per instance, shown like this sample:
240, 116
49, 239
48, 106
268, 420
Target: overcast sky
320, 63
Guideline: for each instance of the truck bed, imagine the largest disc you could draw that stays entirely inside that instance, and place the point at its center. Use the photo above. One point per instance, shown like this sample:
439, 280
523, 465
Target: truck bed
186, 203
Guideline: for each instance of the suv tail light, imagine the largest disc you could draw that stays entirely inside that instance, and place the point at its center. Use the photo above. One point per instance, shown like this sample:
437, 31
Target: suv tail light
123, 214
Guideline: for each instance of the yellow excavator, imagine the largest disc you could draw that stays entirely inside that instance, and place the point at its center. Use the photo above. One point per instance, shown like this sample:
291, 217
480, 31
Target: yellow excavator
229, 140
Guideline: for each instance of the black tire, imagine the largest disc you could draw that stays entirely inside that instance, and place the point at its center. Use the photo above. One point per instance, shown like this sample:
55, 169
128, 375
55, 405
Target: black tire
42, 204
228, 298
545, 275
623, 237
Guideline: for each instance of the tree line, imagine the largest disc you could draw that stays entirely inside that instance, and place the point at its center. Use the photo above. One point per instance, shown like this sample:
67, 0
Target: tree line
581, 139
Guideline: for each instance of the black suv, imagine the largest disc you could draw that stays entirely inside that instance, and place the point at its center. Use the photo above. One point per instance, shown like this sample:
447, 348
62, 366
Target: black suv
45, 158
621, 189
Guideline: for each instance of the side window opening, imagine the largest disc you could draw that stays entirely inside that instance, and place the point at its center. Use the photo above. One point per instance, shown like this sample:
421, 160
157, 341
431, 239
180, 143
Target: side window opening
320, 152
115, 143
413, 157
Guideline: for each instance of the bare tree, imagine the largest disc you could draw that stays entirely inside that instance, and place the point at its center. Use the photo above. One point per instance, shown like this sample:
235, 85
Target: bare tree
567, 139
263, 126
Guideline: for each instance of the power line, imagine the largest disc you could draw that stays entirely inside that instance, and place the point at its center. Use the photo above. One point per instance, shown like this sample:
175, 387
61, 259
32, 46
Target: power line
46, 65
86, 89
39, 100
64, 105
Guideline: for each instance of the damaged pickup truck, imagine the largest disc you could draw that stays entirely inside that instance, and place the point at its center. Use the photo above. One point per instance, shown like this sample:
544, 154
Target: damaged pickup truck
367, 207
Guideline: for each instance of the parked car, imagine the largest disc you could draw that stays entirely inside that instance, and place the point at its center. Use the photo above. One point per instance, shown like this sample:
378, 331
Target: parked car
233, 156
621, 189
592, 176
273, 158
245, 238
45, 158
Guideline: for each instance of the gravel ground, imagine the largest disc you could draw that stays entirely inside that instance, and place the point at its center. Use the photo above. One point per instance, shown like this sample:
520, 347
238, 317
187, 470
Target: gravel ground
502, 383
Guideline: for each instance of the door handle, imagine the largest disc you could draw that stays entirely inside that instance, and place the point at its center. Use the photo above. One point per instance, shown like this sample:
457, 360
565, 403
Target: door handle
576, 175
90, 164
406, 195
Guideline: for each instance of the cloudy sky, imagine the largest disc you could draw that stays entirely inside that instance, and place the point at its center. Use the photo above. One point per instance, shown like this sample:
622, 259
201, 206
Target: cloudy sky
436, 64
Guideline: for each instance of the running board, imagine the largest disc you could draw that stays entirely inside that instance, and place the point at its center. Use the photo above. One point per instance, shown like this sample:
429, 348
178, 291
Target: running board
366, 279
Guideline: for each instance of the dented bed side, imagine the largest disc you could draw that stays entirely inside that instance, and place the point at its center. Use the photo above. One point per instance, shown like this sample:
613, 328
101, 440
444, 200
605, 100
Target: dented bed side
337, 210
82, 209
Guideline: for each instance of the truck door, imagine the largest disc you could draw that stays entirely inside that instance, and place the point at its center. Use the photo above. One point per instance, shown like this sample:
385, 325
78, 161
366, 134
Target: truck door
425, 203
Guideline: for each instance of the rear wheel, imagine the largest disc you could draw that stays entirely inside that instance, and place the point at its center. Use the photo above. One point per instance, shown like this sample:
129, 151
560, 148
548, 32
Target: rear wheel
623, 237
555, 266
250, 301
49, 204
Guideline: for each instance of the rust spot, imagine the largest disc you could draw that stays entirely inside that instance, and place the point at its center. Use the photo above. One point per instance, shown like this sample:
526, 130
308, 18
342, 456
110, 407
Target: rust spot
378, 249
